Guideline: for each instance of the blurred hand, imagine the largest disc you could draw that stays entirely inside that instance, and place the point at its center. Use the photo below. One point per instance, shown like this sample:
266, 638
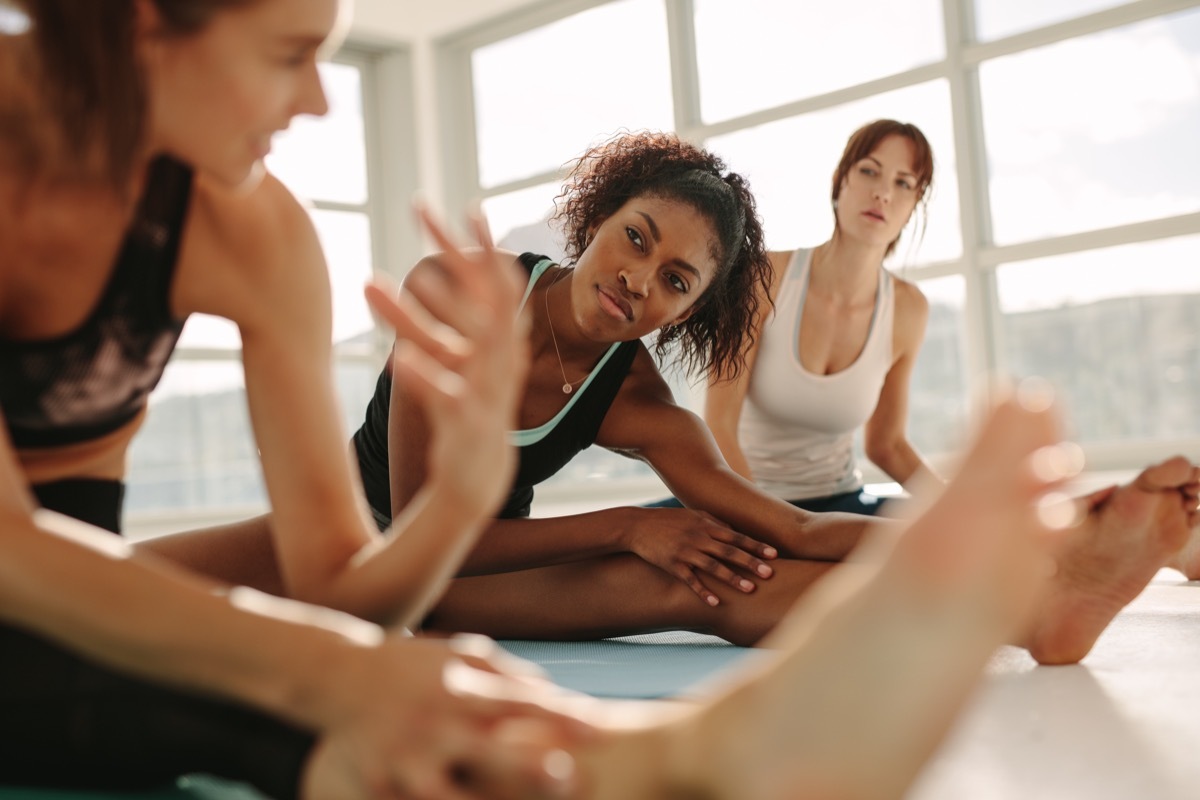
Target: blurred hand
417, 719
462, 353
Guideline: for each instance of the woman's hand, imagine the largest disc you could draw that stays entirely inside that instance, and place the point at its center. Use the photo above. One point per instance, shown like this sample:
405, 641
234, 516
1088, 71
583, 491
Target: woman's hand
686, 544
418, 719
462, 352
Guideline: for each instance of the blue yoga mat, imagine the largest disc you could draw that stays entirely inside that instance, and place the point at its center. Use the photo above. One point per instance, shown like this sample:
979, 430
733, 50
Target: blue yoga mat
651, 666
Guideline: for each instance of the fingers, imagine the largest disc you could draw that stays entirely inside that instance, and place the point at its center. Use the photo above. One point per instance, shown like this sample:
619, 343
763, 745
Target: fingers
475, 275
712, 566
738, 549
491, 698
688, 576
413, 323
501, 768
427, 380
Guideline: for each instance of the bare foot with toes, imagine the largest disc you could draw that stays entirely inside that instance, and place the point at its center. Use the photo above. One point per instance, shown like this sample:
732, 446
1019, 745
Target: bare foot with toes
1129, 533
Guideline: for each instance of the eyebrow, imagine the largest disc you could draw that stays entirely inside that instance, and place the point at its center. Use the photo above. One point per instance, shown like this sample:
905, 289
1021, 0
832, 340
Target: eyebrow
657, 236
879, 164
305, 40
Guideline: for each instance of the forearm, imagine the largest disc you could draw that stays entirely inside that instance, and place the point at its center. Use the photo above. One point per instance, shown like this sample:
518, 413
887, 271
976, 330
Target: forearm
514, 544
904, 464
84, 589
795, 533
731, 450
396, 579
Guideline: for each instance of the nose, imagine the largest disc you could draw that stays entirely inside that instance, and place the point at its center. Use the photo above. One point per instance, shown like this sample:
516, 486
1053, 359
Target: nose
883, 191
311, 98
635, 281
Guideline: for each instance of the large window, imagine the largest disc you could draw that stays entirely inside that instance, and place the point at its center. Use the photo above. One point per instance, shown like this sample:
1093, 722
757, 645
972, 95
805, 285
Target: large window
196, 455
1062, 235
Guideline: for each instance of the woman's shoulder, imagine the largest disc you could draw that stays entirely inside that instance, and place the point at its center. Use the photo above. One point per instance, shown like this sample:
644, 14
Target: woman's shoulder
911, 314
263, 219
244, 244
910, 300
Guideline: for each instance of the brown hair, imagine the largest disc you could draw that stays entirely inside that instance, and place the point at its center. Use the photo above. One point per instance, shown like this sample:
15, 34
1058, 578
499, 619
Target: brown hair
864, 140
90, 82
714, 339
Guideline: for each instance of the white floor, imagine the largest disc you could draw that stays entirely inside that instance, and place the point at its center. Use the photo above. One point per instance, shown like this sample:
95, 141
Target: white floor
1123, 724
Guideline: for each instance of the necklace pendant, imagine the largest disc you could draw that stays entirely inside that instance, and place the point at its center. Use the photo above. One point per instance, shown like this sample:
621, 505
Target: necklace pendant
568, 388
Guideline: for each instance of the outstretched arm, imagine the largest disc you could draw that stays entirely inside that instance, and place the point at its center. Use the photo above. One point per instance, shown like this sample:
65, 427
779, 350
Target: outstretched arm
461, 357
885, 436
677, 444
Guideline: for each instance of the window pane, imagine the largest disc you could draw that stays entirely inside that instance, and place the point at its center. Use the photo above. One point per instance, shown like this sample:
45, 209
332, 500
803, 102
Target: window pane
1115, 330
346, 239
1094, 132
789, 164
756, 54
938, 394
520, 221
998, 18
536, 110
196, 449
204, 330
325, 158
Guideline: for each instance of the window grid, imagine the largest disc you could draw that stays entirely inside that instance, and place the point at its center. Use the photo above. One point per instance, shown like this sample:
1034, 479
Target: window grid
960, 67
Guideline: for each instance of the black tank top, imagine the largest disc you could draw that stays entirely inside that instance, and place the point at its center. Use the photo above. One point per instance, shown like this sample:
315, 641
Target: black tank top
575, 432
91, 381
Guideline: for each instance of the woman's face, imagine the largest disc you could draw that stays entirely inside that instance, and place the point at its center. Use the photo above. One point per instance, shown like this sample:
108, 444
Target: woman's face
645, 267
879, 193
217, 97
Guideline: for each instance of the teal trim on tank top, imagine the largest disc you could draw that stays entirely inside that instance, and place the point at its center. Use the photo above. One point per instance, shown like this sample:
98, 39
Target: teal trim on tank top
530, 436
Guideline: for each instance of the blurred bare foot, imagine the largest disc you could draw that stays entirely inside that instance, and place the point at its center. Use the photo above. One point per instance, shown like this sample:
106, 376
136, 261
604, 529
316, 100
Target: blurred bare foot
1130, 532
875, 661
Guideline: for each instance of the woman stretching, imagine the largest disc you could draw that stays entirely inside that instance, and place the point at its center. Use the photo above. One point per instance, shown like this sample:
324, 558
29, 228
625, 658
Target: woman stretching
131, 194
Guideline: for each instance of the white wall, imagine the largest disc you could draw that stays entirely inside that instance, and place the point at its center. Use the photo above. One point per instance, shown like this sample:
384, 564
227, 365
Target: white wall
417, 23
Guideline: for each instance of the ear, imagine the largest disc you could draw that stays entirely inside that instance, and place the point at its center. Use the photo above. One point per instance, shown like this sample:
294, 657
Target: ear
682, 318
591, 230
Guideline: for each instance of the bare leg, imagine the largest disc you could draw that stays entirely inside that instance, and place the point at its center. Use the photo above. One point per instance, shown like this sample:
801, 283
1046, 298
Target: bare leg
873, 663
615, 596
240, 554
1128, 535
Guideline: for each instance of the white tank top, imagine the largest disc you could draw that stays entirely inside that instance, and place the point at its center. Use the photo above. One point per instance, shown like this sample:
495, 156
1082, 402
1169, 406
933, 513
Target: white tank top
797, 428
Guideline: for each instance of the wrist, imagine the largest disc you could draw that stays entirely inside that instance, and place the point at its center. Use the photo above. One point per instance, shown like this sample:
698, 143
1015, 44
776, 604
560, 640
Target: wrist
625, 532
313, 656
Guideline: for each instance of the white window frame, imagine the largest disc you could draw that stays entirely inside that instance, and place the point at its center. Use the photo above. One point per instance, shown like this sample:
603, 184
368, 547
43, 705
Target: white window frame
959, 67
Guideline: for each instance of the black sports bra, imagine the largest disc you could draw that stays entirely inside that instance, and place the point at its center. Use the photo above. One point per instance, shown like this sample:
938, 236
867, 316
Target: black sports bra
95, 379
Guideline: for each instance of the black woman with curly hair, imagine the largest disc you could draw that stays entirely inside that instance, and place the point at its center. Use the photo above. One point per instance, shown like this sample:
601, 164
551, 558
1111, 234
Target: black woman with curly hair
660, 239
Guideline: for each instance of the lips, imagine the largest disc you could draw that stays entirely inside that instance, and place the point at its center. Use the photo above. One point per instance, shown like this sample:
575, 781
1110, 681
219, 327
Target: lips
615, 304
876, 215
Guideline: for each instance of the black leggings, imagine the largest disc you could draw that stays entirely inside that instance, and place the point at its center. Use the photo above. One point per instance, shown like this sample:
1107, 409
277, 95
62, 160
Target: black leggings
66, 722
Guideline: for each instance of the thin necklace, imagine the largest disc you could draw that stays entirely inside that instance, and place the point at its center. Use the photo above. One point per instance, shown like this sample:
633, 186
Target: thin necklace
568, 386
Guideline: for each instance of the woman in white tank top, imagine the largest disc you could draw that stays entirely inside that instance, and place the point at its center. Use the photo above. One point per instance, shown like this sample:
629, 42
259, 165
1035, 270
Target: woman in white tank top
836, 350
